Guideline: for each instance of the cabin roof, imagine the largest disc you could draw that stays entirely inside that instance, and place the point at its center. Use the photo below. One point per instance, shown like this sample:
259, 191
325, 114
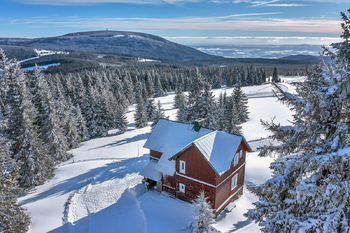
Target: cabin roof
150, 172
169, 138
172, 138
218, 148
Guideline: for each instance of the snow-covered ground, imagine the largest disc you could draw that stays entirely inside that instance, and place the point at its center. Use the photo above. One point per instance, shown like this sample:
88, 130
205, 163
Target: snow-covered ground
100, 190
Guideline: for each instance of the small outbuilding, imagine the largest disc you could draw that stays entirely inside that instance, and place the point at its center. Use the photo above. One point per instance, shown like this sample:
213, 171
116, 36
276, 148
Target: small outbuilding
185, 159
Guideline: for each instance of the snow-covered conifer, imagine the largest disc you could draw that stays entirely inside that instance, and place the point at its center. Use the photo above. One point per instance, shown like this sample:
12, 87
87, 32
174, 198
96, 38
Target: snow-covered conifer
13, 217
158, 89
140, 115
240, 102
309, 190
151, 109
204, 216
27, 147
159, 114
121, 119
207, 107
179, 98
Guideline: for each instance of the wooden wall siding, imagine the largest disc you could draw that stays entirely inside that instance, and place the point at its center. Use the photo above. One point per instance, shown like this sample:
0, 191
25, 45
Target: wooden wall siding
155, 154
197, 166
233, 168
223, 192
192, 190
168, 182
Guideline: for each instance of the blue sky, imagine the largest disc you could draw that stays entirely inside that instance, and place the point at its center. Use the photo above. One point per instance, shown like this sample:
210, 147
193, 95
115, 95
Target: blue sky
191, 22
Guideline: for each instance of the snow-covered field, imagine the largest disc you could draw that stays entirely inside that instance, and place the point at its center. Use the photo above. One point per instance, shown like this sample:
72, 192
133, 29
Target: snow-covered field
100, 190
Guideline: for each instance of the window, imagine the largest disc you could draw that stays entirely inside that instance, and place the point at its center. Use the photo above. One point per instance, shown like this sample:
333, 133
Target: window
182, 166
182, 188
235, 159
240, 153
234, 181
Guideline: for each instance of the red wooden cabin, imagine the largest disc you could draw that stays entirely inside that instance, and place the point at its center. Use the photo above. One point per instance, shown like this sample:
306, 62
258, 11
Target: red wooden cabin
185, 159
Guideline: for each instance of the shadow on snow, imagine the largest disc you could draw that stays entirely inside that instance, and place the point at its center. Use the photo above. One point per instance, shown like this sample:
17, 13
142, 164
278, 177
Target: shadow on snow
97, 175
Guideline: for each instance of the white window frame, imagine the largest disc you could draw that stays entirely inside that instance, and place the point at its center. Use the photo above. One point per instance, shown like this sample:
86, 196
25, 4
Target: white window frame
240, 153
182, 168
182, 187
236, 159
234, 181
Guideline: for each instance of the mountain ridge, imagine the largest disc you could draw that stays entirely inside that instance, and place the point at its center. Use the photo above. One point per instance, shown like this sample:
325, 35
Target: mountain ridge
112, 42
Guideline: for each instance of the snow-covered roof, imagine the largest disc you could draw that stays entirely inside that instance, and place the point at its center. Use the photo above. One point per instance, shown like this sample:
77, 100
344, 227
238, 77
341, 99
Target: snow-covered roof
218, 148
169, 138
150, 172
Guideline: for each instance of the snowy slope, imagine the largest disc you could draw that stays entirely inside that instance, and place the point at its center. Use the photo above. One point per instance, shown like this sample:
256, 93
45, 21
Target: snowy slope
100, 190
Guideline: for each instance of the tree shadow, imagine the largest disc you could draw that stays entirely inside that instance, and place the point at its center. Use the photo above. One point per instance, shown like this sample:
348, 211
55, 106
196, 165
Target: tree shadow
125, 215
124, 141
112, 170
240, 225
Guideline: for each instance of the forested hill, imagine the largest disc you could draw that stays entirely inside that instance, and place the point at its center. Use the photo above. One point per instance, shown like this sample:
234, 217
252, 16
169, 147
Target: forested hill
112, 42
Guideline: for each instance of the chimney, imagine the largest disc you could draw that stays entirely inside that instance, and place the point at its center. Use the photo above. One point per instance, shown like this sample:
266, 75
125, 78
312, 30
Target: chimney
198, 123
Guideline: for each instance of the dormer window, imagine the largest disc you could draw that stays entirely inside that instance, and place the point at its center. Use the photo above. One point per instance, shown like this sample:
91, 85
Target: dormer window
182, 166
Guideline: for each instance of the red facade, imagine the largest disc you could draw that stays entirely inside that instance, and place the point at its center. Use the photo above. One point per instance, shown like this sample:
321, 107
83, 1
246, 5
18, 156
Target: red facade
199, 175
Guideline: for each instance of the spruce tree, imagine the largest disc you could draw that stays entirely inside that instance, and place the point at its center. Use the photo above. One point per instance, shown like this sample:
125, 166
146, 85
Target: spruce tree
207, 107
158, 115
140, 115
309, 189
158, 89
13, 217
121, 119
275, 78
204, 216
27, 148
179, 98
81, 124
50, 128
151, 109
240, 102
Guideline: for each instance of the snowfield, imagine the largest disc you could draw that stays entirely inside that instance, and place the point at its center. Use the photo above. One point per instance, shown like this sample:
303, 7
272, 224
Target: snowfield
100, 190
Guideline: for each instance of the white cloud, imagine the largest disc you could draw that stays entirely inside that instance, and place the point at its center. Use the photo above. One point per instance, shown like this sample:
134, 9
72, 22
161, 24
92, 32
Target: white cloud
232, 22
254, 40
75, 2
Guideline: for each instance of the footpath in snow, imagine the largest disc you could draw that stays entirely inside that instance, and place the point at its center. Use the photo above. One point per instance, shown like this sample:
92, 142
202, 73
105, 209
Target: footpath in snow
100, 190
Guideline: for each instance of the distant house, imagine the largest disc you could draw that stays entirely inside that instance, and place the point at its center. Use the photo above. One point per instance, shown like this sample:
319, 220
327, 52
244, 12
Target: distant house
185, 159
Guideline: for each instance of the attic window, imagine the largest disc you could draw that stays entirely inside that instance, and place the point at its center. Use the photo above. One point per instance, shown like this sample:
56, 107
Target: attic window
235, 159
240, 153
182, 188
234, 181
182, 166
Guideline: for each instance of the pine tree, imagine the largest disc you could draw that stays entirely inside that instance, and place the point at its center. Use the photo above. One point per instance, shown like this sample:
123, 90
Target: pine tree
179, 98
204, 216
158, 89
240, 102
140, 115
309, 190
275, 78
158, 115
49, 123
4, 73
81, 124
121, 119
207, 107
194, 99
13, 217
27, 147
234, 126
150, 109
